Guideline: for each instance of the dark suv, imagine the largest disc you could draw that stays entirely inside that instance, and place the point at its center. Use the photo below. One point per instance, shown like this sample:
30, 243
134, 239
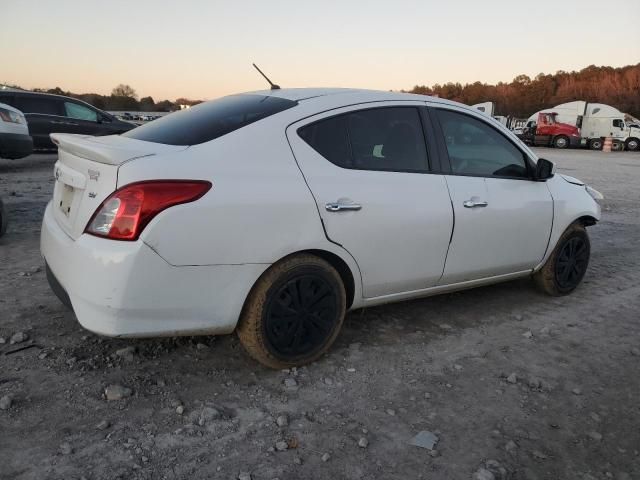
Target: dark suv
48, 113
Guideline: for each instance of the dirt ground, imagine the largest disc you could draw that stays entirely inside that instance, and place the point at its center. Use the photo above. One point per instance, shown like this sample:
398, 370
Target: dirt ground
444, 365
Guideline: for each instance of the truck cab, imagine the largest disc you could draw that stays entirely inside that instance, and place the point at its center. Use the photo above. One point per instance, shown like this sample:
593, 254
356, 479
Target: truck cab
548, 132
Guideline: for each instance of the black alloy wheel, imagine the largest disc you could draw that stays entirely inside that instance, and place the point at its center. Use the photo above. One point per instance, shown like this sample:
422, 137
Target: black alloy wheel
300, 315
571, 263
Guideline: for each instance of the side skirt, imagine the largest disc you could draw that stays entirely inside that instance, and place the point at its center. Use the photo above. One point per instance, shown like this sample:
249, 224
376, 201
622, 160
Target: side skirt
453, 287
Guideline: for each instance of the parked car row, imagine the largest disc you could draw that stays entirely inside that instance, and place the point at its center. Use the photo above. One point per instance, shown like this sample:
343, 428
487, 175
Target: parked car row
46, 113
129, 117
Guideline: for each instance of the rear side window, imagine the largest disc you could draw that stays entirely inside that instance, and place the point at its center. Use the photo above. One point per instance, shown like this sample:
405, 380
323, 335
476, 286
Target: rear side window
8, 100
387, 139
210, 120
37, 104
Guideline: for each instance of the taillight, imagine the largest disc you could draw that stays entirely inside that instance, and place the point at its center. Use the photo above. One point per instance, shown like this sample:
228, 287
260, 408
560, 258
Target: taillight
127, 211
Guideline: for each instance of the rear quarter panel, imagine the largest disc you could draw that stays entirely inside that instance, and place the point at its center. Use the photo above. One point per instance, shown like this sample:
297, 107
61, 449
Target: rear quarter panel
258, 210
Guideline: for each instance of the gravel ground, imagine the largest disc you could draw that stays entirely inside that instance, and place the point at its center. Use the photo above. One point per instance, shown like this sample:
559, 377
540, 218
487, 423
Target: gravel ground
508, 383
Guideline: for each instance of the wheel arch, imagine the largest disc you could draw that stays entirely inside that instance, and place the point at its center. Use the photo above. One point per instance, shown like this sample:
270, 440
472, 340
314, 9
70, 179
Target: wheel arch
586, 220
348, 279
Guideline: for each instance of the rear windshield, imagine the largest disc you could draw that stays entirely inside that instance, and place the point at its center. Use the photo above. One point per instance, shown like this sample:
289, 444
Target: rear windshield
209, 120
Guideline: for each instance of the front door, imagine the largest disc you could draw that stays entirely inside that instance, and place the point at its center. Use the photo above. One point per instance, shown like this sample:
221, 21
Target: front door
82, 119
368, 170
503, 218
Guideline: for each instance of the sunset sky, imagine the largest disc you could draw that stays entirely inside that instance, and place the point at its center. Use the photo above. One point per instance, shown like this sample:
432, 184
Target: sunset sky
204, 49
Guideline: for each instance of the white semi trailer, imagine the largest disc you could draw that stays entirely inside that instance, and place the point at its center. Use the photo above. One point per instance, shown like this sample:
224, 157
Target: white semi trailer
596, 122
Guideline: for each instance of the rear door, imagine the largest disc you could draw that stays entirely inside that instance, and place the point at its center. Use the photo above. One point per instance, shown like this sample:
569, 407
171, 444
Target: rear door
503, 218
45, 115
369, 170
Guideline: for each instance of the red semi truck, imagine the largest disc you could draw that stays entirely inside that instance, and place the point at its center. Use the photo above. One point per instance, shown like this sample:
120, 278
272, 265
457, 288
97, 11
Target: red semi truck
548, 132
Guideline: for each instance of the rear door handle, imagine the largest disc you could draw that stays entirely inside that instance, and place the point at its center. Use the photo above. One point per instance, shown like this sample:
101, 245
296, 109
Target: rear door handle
339, 206
473, 203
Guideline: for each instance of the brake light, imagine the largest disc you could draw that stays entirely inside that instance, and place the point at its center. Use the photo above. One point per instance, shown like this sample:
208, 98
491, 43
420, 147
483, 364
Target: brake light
128, 210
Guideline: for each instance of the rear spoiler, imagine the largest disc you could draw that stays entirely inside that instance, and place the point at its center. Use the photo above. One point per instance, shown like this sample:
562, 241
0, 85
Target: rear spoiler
110, 150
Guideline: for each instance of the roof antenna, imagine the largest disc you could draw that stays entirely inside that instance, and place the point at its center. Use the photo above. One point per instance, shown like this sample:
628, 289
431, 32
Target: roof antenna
273, 85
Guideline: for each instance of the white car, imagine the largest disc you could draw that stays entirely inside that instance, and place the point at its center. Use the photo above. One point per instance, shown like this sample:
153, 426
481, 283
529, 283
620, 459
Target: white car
272, 213
15, 141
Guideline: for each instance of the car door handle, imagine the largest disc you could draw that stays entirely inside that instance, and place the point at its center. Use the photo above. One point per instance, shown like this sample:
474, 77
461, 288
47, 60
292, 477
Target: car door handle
339, 206
474, 203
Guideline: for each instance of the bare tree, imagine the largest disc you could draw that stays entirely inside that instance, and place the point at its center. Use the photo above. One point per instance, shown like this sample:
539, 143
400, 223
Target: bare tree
123, 90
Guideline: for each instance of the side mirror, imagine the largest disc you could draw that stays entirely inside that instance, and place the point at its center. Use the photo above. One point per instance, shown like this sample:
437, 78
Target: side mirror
544, 169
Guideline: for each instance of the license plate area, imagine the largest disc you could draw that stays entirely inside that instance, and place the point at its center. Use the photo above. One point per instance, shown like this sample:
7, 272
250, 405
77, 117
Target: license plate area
66, 199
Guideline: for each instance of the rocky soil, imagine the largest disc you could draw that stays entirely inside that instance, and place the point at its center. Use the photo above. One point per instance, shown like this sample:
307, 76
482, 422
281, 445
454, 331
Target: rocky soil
499, 382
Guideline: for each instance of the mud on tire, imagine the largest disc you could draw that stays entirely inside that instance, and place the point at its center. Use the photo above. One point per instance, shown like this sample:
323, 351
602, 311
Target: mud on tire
565, 268
293, 313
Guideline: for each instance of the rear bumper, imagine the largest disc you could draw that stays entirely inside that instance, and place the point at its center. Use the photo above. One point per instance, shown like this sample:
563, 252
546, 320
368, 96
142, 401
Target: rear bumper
126, 289
15, 145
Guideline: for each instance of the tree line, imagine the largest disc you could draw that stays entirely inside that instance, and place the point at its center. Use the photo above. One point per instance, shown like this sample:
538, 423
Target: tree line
123, 97
618, 87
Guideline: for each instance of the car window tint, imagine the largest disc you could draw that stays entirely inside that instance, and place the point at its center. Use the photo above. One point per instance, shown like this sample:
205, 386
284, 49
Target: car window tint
8, 100
210, 120
330, 139
75, 110
476, 148
389, 139
37, 104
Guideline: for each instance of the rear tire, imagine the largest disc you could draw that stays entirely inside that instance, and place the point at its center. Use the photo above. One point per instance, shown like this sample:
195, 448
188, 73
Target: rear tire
561, 141
632, 144
565, 268
595, 144
293, 313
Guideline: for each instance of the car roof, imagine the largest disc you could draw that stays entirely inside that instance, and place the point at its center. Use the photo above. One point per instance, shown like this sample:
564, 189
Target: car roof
347, 95
43, 94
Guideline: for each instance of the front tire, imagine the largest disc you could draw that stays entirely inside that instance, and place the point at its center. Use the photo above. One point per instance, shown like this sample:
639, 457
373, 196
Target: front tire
565, 268
632, 144
293, 313
561, 141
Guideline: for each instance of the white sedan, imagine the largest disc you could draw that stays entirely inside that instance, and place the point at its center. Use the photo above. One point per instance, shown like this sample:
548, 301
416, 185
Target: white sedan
272, 213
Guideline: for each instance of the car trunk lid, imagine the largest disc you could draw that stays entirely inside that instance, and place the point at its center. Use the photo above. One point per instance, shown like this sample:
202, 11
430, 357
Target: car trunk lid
86, 174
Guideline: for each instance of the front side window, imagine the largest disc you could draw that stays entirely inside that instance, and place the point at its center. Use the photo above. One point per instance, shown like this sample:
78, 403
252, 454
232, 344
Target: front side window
80, 112
618, 123
387, 139
476, 148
